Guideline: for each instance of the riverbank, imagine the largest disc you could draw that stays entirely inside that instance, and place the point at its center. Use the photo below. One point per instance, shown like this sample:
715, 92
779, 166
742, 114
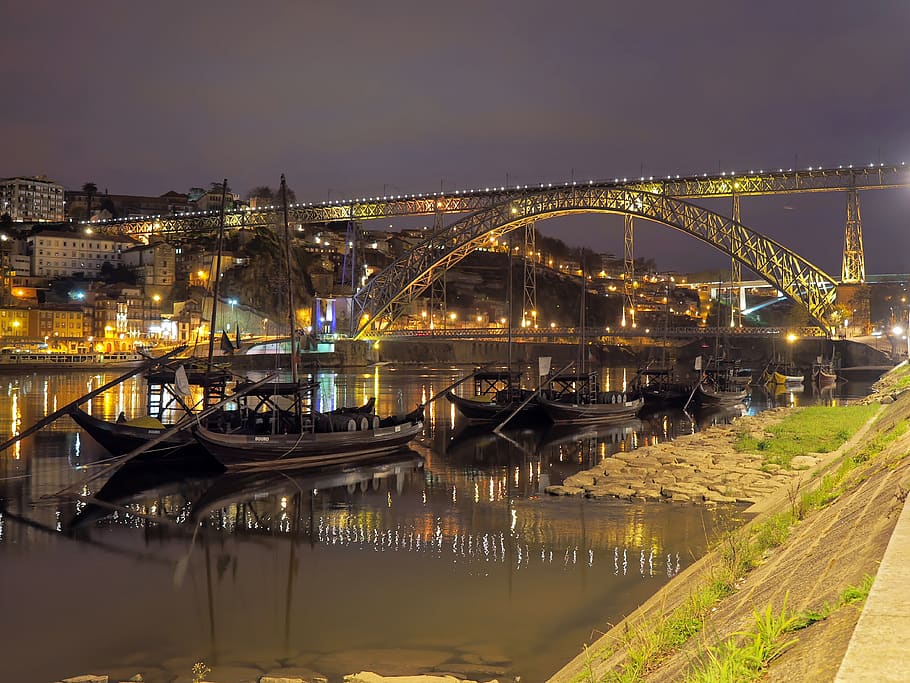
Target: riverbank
794, 577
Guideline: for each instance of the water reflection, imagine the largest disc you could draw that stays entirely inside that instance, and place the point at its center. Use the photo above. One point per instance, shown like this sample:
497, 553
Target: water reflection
451, 546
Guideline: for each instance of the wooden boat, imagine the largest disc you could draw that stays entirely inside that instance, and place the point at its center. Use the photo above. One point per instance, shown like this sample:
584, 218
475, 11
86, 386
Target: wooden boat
782, 378
778, 372
608, 406
576, 398
709, 395
119, 438
125, 436
718, 387
824, 374
496, 395
307, 447
660, 389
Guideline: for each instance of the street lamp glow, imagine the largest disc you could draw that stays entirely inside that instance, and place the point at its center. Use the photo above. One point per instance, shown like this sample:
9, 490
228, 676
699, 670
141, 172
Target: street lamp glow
897, 330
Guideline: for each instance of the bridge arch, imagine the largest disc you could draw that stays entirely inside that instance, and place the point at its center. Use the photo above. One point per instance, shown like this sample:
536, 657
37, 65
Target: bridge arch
385, 295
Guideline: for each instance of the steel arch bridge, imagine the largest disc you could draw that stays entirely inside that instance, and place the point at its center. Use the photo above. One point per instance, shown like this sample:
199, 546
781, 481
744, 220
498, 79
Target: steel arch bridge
383, 299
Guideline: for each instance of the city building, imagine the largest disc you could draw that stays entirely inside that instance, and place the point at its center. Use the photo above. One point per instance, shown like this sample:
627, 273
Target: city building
56, 253
35, 199
106, 205
154, 264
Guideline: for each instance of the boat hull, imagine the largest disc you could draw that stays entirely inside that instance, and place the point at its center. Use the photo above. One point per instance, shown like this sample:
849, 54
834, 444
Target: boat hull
706, 396
492, 411
589, 413
119, 438
780, 378
248, 451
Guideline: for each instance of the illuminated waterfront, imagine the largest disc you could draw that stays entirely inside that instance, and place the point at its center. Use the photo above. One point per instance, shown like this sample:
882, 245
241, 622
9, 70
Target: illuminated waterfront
450, 548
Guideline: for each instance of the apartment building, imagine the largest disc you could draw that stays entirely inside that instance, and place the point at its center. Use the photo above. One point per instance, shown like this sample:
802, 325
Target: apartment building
57, 253
37, 199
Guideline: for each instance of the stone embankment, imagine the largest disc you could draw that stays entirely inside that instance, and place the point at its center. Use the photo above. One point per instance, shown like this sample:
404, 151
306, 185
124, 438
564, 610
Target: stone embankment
703, 468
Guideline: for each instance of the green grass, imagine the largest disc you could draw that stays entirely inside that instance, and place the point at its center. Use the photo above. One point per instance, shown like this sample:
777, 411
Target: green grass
816, 429
746, 655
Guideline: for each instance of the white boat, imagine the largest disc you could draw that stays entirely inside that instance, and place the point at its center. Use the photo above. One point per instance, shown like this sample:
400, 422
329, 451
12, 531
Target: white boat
34, 360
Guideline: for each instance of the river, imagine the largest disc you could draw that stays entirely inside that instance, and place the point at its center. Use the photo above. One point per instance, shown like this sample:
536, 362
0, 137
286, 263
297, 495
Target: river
450, 556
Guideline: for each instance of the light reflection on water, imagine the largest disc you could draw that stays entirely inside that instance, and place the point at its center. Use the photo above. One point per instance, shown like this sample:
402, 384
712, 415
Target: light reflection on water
452, 546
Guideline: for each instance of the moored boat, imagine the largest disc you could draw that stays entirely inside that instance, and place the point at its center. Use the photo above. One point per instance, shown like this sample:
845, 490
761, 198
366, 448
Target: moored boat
360, 440
608, 406
41, 360
496, 395
576, 398
710, 395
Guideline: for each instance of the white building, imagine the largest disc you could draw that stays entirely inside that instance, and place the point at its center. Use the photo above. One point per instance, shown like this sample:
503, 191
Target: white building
56, 253
31, 199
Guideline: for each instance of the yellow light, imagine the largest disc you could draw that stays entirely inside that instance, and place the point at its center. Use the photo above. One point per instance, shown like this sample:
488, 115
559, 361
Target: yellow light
791, 337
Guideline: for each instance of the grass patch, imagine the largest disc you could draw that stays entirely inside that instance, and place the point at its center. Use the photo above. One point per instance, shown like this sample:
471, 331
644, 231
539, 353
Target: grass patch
816, 429
746, 655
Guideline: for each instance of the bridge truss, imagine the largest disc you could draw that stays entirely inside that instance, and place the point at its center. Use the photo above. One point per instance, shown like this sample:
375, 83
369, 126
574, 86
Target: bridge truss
385, 297
752, 184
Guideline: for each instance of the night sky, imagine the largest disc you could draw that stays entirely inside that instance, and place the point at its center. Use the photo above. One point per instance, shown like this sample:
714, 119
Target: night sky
355, 99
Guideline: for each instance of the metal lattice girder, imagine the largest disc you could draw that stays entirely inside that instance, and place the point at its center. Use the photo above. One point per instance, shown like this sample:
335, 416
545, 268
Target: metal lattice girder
529, 299
854, 266
628, 258
364, 209
736, 272
386, 294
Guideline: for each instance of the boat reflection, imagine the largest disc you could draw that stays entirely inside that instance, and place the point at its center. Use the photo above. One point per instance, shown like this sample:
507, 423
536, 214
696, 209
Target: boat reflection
234, 489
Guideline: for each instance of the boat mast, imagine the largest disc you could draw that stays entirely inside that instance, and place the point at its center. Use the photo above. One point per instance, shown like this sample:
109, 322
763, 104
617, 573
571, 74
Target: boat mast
215, 293
287, 254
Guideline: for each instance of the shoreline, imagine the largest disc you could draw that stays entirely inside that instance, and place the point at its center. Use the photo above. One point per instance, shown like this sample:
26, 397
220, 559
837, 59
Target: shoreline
831, 549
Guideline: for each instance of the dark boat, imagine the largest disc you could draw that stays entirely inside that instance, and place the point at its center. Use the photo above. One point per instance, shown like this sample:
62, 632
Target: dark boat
608, 406
276, 426
718, 385
660, 389
497, 394
576, 398
119, 438
122, 437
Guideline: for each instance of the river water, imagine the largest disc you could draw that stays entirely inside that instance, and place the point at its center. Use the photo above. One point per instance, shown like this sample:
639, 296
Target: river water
449, 555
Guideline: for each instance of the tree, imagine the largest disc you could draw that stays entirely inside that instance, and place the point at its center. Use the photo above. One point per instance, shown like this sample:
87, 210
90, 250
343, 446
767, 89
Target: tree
90, 190
216, 188
6, 220
262, 192
271, 196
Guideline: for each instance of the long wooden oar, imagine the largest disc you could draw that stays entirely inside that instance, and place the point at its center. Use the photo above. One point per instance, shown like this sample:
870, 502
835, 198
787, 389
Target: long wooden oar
185, 423
72, 404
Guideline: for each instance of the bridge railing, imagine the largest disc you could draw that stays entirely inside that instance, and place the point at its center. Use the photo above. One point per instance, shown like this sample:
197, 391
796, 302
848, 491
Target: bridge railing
571, 334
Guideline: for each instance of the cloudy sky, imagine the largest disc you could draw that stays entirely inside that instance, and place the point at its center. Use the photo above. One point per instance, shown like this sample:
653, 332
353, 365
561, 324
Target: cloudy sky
360, 98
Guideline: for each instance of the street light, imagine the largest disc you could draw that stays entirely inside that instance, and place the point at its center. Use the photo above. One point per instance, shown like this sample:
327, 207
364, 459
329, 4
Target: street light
233, 302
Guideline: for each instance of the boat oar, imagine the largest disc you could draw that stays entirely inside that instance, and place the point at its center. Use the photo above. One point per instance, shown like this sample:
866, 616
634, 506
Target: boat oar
185, 423
72, 404
498, 428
